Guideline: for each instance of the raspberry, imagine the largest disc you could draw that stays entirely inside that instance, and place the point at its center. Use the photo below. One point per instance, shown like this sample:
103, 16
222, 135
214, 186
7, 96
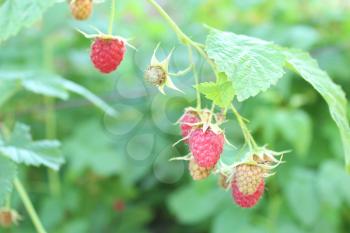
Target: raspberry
206, 146
81, 9
119, 205
107, 53
156, 75
197, 172
186, 122
8, 217
248, 185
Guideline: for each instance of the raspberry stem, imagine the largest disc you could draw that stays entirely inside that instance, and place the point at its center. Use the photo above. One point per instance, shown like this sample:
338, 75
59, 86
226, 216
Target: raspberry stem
29, 206
200, 48
195, 74
186, 40
111, 18
246, 133
50, 118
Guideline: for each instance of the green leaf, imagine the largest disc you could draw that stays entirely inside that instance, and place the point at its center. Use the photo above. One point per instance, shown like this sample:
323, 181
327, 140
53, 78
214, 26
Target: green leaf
7, 90
221, 92
230, 218
194, 203
73, 87
253, 65
52, 85
36, 82
302, 63
17, 14
8, 172
22, 149
98, 154
302, 196
295, 126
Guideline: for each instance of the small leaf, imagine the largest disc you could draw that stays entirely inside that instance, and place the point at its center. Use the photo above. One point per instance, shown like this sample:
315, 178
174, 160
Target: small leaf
8, 172
22, 149
252, 65
17, 14
221, 92
302, 63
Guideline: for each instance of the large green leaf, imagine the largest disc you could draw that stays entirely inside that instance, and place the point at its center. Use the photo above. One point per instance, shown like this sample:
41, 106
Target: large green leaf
50, 85
17, 14
253, 65
8, 172
302, 63
22, 149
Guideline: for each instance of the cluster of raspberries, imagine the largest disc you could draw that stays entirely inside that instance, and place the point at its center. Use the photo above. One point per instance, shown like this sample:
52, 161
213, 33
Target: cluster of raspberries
246, 181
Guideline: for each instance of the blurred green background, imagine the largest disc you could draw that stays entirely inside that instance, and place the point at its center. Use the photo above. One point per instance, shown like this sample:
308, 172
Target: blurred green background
117, 177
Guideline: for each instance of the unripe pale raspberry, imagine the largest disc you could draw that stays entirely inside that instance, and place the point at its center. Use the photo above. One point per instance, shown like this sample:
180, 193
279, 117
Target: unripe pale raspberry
155, 75
248, 185
107, 53
81, 9
186, 122
197, 172
8, 217
206, 146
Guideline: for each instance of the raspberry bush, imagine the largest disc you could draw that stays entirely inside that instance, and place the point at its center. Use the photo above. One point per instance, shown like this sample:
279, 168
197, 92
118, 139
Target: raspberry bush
223, 76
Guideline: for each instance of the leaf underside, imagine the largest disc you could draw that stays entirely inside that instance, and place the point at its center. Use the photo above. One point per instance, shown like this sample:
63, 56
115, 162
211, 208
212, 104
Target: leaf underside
46, 84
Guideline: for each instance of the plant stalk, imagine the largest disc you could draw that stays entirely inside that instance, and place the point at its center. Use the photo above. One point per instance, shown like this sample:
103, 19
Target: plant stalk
246, 134
200, 49
111, 18
29, 206
50, 118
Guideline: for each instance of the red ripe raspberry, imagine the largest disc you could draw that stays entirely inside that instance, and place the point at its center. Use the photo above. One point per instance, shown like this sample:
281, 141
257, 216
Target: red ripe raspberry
186, 123
248, 185
107, 53
206, 147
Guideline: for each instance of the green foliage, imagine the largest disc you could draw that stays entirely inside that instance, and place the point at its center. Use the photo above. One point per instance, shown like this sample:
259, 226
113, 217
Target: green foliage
221, 92
45, 84
251, 64
22, 149
17, 14
196, 202
302, 196
8, 172
125, 157
308, 68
